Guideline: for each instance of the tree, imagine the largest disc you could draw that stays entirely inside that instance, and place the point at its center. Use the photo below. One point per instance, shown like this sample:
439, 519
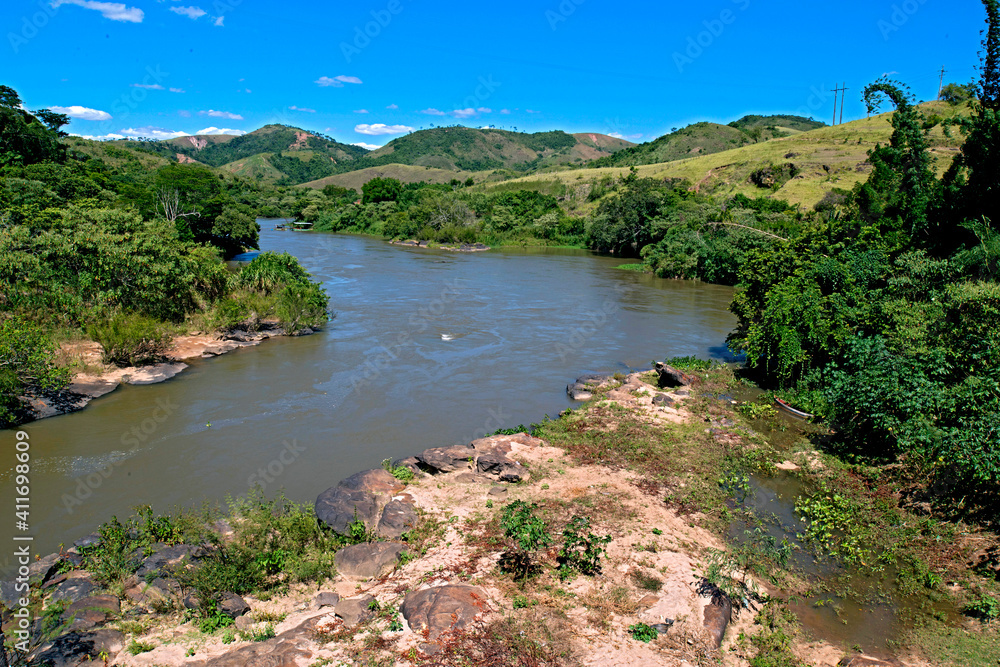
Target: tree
26, 367
53, 120
898, 194
381, 189
958, 93
234, 230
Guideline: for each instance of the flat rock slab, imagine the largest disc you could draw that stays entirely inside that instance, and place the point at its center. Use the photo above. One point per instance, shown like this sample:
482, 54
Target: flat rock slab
43, 569
82, 648
107, 604
354, 610
153, 374
285, 650
672, 377
448, 459
443, 608
338, 507
73, 590
326, 599
368, 560
865, 661
373, 481
398, 518
166, 559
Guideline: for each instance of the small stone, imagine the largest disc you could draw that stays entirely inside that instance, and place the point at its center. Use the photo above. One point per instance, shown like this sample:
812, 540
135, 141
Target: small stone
244, 623
355, 610
498, 490
326, 599
398, 518
232, 605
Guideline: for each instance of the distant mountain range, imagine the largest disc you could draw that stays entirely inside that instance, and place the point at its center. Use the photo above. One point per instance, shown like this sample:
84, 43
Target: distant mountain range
279, 154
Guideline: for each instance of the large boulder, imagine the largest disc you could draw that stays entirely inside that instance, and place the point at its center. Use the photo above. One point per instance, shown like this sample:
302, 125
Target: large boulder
83, 648
448, 459
74, 589
289, 649
442, 608
338, 507
398, 518
232, 605
672, 377
368, 560
376, 481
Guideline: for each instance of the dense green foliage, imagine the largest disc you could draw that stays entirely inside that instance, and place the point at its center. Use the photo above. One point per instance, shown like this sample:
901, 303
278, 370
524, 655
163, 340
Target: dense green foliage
111, 249
886, 318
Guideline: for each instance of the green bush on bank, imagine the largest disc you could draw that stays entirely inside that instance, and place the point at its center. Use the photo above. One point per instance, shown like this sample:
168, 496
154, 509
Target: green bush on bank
130, 339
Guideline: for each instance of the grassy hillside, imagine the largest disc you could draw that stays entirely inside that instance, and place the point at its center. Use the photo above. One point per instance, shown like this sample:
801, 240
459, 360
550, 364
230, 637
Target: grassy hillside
823, 159
468, 149
707, 138
404, 173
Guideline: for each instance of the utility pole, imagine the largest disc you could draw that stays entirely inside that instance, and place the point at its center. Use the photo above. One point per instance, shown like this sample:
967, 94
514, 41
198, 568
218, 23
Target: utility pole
941, 82
835, 91
843, 98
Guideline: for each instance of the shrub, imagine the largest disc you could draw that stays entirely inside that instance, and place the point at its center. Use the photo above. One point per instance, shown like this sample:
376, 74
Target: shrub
130, 339
643, 633
581, 549
528, 533
26, 366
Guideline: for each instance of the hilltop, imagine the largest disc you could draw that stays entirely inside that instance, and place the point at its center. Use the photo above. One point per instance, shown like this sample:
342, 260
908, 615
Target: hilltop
801, 168
706, 138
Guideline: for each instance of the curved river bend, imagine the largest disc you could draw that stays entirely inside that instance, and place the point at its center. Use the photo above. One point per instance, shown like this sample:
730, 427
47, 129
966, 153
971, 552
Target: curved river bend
428, 348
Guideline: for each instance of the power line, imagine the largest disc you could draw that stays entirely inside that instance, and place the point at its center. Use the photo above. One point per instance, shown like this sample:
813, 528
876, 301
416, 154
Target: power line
835, 91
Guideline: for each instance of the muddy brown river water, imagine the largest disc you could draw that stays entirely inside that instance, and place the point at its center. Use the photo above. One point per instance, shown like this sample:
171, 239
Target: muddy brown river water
428, 348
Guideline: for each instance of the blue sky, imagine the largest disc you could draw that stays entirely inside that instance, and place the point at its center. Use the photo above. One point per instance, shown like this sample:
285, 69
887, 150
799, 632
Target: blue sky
364, 72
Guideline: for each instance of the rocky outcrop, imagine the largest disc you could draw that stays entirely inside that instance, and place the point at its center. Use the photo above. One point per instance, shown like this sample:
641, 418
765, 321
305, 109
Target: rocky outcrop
398, 518
361, 496
672, 377
232, 605
485, 455
448, 459
77, 649
368, 560
433, 611
165, 559
354, 610
584, 387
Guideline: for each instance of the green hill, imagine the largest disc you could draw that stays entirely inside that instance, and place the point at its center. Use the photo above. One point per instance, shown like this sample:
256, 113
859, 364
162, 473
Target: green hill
707, 138
469, 149
801, 168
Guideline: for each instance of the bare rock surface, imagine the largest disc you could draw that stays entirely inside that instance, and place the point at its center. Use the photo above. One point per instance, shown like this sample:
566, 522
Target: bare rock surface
82, 648
436, 610
398, 518
448, 459
368, 560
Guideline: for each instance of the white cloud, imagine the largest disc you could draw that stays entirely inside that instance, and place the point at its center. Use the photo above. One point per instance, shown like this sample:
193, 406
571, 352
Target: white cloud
102, 137
370, 147
393, 106
152, 132
83, 113
306, 109
337, 81
114, 11
464, 113
361, 111
532, 111
193, 13
505, 111
177, 90
484, 110
433, 112
221, 114
147, 86
221, 130
219, 22
184, 113
379, 128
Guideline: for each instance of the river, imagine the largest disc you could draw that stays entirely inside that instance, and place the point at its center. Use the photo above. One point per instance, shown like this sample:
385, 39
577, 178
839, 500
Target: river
427, 348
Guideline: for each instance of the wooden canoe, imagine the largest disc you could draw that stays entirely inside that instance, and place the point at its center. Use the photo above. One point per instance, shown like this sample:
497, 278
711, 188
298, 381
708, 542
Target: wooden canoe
787, 409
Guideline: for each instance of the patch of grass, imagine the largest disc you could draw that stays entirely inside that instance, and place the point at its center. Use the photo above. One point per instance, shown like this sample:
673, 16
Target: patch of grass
135, 647
643, 633
645, 581
402, 473
130, 339
771, 645
270, 616
638, 268
508, 642
259, 634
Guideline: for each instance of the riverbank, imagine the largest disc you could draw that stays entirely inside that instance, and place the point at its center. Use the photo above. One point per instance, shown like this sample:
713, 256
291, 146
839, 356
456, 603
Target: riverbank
98, 379
438, 584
